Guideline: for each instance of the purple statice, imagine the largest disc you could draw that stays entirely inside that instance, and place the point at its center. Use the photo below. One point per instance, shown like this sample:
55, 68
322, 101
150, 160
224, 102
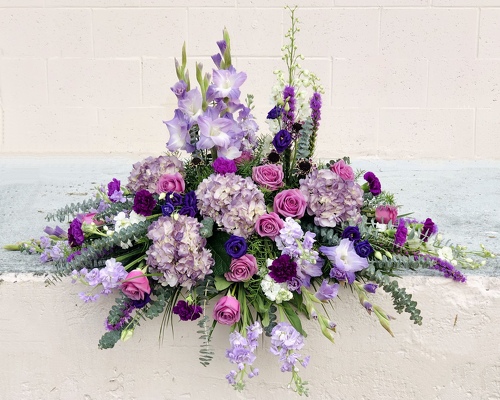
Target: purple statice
289, 109
186, 311
447, 268
144, 203
330, 199
401, 233
75, 233
146, 173
236, 246
315, 104
233, 202
345, 258
223, 166
283, 269
282, 141
242, 353
178, 251
285, 342
363, 248
352, 233
326, 291
429, 229
275, 112
373, 183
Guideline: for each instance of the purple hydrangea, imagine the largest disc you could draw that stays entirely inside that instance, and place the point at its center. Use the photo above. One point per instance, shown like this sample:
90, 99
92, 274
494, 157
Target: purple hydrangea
146, 173
283, 269
144, 203
186, 311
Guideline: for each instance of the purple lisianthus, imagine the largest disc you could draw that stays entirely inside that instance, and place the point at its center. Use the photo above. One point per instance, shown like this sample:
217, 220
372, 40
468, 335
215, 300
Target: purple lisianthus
428, 230
351, 233
186, 311
223, 166
144, 203
176, 199
373, 183
282, 140
167, 209
236, 246
275, 112
75, 233
363, 248
283, 269
401, 233
141, 302
188, 210
326, 291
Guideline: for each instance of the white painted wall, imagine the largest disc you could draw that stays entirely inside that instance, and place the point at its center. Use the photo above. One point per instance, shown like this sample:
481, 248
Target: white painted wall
48, 350
404, 78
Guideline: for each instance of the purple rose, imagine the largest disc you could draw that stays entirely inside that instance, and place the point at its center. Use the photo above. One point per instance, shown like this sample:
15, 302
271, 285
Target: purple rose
384, 214
242, 269
187, 312
373, 183
428, 229
283, 269
269, 225
170, 183
326, 291
227, 310
351, 233
75, 233
223, 166
343, 170
282, 140
363, 248
113, 186
269, 176
144, 203
290, 203
236, 246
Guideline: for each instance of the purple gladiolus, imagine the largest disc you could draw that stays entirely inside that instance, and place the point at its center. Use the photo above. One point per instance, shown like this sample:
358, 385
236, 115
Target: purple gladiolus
344, 258
178, 128
226, 83
370, 287
326, 291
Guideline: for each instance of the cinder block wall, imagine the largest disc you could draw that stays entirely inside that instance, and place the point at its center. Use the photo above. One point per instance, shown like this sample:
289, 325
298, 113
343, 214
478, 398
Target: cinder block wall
403, 78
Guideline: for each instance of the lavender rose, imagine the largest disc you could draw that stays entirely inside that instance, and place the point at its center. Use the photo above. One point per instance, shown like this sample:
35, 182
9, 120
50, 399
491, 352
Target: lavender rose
290, 203
136, 285
269, 176
242, 269
227, 310
170, 183
343, 170
269, 225
144, 203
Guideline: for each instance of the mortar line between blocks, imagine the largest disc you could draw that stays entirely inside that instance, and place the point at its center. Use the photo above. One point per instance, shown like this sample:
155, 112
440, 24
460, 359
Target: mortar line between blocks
474, 135
478, 31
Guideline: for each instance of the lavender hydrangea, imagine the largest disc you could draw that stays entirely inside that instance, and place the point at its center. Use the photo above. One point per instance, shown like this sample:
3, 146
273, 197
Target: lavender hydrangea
146, 173
178, 251
330, 199
232, 201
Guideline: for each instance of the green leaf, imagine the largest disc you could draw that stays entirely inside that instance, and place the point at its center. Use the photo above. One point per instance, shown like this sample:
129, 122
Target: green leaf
293, 317
109, 339
221, 283
216, 245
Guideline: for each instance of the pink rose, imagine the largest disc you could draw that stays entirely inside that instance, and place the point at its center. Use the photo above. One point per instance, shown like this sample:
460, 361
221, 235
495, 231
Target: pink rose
135, 285
290, 203
89, 218
242, 269
170, 183
269, 176
384, 214
269, 225
343, 170
227, 310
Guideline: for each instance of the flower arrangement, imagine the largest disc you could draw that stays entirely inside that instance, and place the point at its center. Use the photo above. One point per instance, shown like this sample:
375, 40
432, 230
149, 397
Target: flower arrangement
249, 222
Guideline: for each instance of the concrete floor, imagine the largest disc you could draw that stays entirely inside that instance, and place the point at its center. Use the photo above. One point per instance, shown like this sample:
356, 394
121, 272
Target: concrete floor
462, 197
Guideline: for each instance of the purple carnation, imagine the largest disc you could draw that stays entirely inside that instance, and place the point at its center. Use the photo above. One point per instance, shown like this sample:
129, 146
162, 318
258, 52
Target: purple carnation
363, 248
236, 246
187, 312
351, 233
223, 166
144, 203
401, 233
282, 140
283, 269
75, 233
113, 186
373, 182
429, 229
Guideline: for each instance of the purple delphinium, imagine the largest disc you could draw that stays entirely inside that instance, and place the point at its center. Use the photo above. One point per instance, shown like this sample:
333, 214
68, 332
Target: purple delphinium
289, 98
326, 291
223, 166
373, 183
428, 229
401, 233
352, 233
75, 233
447, 268
363, 248
315, 104
122, 321
275, 112
283, 269
282, 140
144, 203
236, 246
186, 311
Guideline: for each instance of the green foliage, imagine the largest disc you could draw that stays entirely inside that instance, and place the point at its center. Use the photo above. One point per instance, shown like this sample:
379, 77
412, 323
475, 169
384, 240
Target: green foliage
69, 211
109, 339
324, 235
303, 144
272, 320
216, 245
162, 295
207, 228
206, 349
197, 168
113, 210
